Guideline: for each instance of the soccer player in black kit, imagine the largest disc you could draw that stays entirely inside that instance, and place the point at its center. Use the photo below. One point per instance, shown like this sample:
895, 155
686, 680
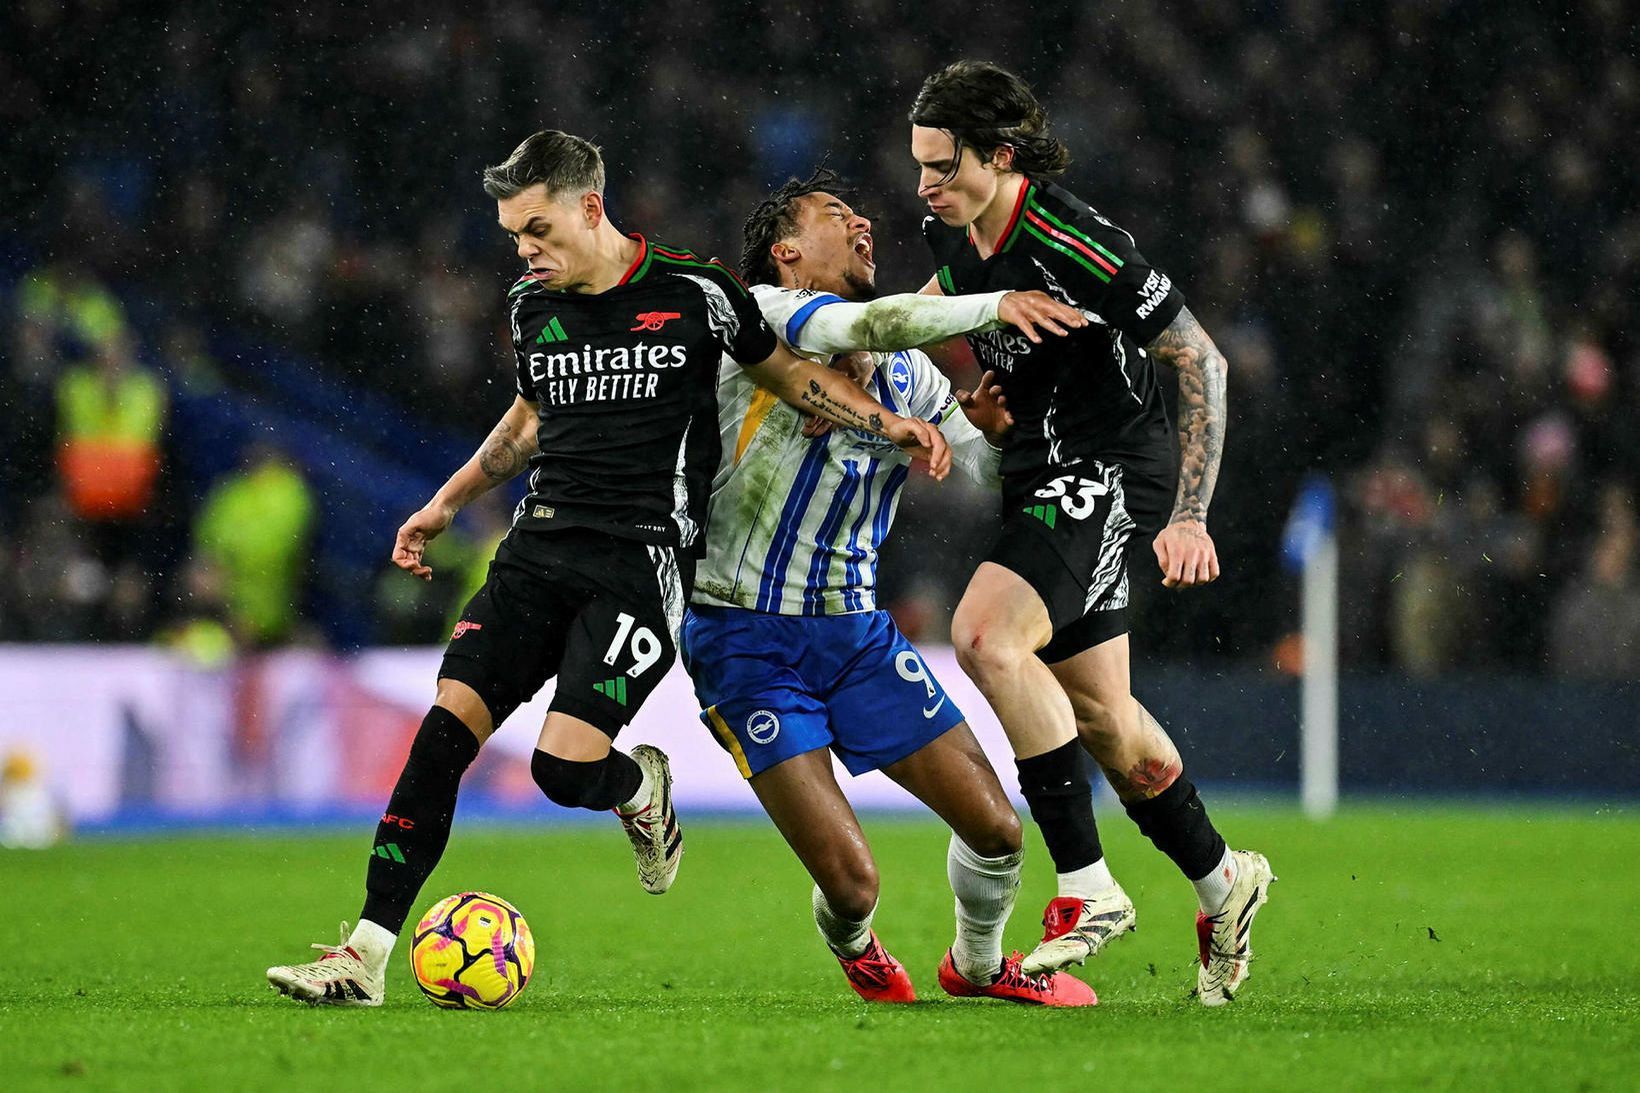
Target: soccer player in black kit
618, 341
1091, 462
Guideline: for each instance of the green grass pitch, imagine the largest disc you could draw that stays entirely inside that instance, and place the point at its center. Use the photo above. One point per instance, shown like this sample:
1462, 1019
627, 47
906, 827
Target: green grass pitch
1412, 946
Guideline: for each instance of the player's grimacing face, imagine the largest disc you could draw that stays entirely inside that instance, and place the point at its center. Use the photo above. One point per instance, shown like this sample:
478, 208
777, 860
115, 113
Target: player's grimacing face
554, 237
836, 245
956, 183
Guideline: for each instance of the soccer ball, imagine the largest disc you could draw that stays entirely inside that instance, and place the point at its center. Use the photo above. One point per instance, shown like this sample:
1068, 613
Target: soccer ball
472, 950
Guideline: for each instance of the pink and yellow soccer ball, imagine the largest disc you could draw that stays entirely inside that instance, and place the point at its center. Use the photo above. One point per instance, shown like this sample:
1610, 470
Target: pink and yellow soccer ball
472, 950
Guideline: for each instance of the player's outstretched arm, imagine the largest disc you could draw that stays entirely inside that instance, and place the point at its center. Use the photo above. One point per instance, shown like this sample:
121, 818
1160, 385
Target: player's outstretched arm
1184, 549
907, 320
504, 453
837, 398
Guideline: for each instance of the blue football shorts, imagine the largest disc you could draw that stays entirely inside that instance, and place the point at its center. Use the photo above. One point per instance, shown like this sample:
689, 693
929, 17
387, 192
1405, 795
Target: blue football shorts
775, 686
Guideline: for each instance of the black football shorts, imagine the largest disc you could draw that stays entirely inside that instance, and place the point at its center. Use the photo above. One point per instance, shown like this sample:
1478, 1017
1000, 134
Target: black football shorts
598, 612
1066, 532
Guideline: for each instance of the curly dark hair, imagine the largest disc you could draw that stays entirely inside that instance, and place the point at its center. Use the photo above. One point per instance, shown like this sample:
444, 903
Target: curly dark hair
985, 106
775, 218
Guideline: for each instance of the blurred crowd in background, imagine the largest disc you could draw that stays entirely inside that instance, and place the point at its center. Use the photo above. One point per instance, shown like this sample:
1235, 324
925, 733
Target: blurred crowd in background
1412, 228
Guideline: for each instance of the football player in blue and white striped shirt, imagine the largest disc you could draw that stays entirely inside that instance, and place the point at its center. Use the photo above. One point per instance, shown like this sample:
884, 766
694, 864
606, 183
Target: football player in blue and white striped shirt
790, 656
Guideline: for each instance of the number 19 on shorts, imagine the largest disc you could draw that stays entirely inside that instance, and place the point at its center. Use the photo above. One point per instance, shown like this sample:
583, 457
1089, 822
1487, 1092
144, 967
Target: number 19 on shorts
645, 646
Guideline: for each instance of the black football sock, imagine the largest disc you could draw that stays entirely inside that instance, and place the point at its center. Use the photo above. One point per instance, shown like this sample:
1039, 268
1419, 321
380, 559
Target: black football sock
1058, 786
1176, 821
410, 837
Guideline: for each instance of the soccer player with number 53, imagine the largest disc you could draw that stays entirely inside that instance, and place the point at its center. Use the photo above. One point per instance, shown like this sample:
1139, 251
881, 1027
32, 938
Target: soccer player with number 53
791, 657
1042, 627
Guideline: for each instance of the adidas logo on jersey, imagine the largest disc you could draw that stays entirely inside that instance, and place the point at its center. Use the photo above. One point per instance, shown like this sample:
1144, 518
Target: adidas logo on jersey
553, 331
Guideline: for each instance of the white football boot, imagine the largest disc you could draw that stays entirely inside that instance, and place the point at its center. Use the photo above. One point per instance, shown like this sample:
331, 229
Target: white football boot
1225, 938
657, 841
1075, 929
339, 978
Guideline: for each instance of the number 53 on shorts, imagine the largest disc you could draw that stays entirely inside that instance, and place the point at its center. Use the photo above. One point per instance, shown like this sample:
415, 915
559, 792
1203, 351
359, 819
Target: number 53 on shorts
1075, 497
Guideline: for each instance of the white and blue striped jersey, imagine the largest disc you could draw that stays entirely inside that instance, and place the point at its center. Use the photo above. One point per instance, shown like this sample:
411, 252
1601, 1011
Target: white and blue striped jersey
795, 523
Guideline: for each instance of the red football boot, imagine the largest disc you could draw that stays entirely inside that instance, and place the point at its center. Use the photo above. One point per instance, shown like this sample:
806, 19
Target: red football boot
1013, 985
876, 976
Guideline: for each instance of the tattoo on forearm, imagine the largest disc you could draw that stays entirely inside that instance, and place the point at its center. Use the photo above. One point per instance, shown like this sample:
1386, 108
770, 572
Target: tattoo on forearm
1158, 769
502, 455
820, 400
1202, 381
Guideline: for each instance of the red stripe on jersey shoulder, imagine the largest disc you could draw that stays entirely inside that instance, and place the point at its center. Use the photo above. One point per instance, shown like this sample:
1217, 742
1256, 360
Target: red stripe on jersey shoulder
691, 258
1071, 241
1013, 220
637, 263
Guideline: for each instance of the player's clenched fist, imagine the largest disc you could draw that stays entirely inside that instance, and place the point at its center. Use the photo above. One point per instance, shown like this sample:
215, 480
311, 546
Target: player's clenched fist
1186, 554
924, 441
1029, 310
414, 534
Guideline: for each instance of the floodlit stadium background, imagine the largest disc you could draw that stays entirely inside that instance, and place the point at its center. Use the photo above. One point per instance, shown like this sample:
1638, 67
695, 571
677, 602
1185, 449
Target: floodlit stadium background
265, 230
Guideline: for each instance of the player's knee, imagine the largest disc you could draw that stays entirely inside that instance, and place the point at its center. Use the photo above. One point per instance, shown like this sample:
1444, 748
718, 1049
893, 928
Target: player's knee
1000, 837
985, 650
996, 834
442, 742
564, 781
851, 887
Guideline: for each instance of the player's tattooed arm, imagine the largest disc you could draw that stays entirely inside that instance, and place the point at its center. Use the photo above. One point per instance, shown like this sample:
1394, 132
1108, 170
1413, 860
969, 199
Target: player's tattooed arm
1203, 375
837, 398
505, 452
821, 400
502, 455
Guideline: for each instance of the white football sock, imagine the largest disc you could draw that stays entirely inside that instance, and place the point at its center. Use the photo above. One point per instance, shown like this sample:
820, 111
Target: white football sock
1088, 881
847, 937
646, 787
1213, 889
985, 890
373, 943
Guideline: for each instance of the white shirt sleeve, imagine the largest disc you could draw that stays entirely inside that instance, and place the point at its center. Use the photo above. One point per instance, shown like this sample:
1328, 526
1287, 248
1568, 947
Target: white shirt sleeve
788, 311
820, 323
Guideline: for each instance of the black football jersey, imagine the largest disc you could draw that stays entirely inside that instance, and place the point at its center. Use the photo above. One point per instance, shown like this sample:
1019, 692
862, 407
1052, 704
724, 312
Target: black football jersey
625, 382
1091, 394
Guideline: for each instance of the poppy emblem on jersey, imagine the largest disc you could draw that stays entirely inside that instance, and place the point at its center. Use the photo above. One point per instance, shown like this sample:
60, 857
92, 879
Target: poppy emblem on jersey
463, 626
762, 726
654, 320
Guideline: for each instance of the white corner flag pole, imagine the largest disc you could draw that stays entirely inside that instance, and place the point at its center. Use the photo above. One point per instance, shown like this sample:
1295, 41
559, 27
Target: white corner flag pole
1318, 743
1310, 545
